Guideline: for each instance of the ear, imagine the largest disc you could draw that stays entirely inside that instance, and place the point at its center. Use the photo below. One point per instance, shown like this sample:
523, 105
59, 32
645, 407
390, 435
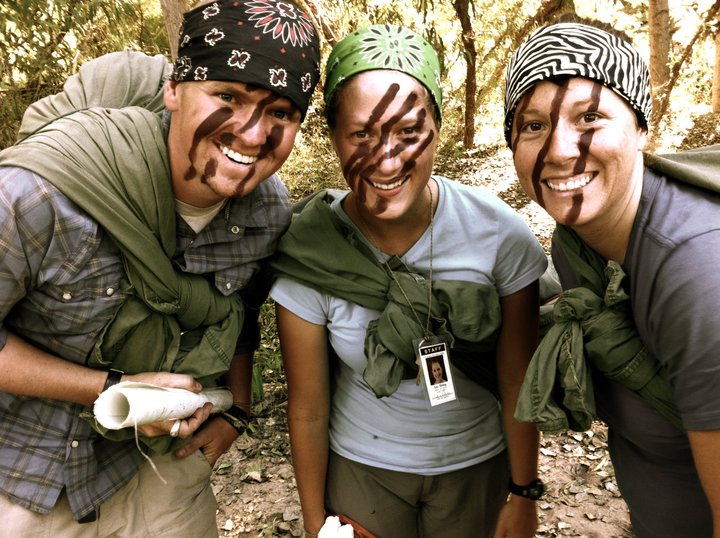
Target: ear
170, 95
643, 138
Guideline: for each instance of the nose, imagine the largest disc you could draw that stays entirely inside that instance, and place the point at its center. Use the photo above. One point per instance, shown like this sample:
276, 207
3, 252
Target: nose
390, 158
252, 130
563, 143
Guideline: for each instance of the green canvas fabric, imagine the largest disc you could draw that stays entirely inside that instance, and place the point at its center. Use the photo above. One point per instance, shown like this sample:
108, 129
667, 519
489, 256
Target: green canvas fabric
322, 252
591, 323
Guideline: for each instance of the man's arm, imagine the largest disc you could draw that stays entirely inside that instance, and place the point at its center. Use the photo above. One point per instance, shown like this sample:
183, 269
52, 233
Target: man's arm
28, 371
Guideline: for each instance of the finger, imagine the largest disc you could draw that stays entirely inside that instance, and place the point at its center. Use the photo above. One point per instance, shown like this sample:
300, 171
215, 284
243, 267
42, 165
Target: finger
189, 448
198, 417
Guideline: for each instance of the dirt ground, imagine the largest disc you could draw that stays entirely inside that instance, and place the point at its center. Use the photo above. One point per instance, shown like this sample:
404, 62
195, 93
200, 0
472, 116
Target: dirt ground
254, 481
257, 496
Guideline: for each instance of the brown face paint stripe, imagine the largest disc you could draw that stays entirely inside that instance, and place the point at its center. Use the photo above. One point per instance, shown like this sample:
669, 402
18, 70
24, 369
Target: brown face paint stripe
584, 147
540, 159
208, 125
257, 113
364, 166
362, 151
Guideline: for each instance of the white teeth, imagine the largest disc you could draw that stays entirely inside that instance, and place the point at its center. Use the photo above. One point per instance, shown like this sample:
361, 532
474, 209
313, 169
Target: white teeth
389, 186
571, 184
237, 157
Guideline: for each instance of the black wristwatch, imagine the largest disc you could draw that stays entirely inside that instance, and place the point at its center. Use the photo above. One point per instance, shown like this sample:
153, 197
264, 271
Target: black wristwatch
237, 417
113, 378
534, 490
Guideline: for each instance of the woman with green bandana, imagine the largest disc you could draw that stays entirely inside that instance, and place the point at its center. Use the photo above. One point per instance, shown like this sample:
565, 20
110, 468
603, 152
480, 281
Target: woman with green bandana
376, 283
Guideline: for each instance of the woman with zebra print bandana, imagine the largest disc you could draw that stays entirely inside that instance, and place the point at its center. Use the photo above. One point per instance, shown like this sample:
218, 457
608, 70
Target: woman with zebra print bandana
641, 243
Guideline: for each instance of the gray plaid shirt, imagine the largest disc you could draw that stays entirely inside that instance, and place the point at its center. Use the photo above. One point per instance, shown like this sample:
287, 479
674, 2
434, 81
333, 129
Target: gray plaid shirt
61, 281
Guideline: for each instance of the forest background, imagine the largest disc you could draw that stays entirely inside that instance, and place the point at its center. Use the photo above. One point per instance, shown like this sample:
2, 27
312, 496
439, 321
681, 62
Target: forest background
42, 42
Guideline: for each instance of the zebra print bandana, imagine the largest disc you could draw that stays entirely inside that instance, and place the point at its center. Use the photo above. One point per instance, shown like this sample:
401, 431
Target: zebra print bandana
580, 50
267, 43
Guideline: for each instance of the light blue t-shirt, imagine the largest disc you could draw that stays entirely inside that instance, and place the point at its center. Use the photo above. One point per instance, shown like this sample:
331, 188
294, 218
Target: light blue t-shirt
475, 237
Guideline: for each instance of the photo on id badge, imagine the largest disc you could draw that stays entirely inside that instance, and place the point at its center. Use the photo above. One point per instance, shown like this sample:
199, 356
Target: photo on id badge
433, 355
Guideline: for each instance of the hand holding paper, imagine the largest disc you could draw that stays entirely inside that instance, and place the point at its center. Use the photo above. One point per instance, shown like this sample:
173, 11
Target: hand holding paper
130, 403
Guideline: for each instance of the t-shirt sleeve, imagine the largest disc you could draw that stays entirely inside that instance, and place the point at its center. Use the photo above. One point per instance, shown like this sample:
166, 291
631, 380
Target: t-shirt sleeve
520, 259
682, 320
303, 301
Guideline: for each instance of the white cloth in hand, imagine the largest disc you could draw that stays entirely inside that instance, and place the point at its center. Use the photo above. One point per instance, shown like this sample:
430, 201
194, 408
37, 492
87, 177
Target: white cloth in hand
333, 529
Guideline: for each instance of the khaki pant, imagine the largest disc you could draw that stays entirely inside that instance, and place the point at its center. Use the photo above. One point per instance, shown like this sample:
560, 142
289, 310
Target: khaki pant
390, 504
183, 508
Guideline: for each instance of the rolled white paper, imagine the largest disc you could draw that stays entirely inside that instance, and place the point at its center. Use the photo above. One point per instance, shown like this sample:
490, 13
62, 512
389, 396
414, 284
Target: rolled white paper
129, 403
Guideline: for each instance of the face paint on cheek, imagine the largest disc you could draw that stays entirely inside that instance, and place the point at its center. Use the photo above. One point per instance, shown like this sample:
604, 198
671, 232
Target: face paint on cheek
208, 125
257, 113
584, 148
374, 158
272, 142
210, 168
412, 161
540, 159
358, 160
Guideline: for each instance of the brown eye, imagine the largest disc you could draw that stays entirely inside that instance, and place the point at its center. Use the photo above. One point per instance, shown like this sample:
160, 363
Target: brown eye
590, 117
533, 126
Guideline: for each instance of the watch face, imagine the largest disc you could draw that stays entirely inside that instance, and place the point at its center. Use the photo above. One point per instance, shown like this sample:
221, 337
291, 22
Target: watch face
535, 492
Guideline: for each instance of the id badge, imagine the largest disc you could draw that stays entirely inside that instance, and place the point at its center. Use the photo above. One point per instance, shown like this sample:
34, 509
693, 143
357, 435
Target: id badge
434, 361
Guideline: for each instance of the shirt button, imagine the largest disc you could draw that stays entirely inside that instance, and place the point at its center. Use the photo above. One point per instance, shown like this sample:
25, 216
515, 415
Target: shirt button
235, 229
110, 291
228, 286
67, 296
74, 444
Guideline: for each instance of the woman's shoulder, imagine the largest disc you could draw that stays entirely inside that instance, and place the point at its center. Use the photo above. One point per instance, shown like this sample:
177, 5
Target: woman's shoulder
461, 196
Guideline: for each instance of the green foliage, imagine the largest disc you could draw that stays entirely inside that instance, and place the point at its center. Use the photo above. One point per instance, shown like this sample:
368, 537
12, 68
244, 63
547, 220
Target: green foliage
43, 42
312, 164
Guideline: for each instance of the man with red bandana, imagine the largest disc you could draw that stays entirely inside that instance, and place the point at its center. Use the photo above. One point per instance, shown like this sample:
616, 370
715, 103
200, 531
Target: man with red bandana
138, 208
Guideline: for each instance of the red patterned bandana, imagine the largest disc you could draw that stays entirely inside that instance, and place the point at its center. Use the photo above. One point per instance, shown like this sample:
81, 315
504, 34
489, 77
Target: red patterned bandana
267, 43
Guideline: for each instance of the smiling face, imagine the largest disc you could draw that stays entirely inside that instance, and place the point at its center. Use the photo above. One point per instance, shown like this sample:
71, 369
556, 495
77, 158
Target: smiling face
225, 138
577, 149
385, 136
437, 372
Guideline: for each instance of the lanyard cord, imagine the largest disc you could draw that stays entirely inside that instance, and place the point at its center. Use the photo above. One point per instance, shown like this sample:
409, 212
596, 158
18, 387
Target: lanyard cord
394, 277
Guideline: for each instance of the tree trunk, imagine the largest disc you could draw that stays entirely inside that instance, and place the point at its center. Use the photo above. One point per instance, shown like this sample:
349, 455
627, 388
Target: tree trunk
659, 37
548, 10
468, 40
702, 31
322, 19
716, 77
173, 13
